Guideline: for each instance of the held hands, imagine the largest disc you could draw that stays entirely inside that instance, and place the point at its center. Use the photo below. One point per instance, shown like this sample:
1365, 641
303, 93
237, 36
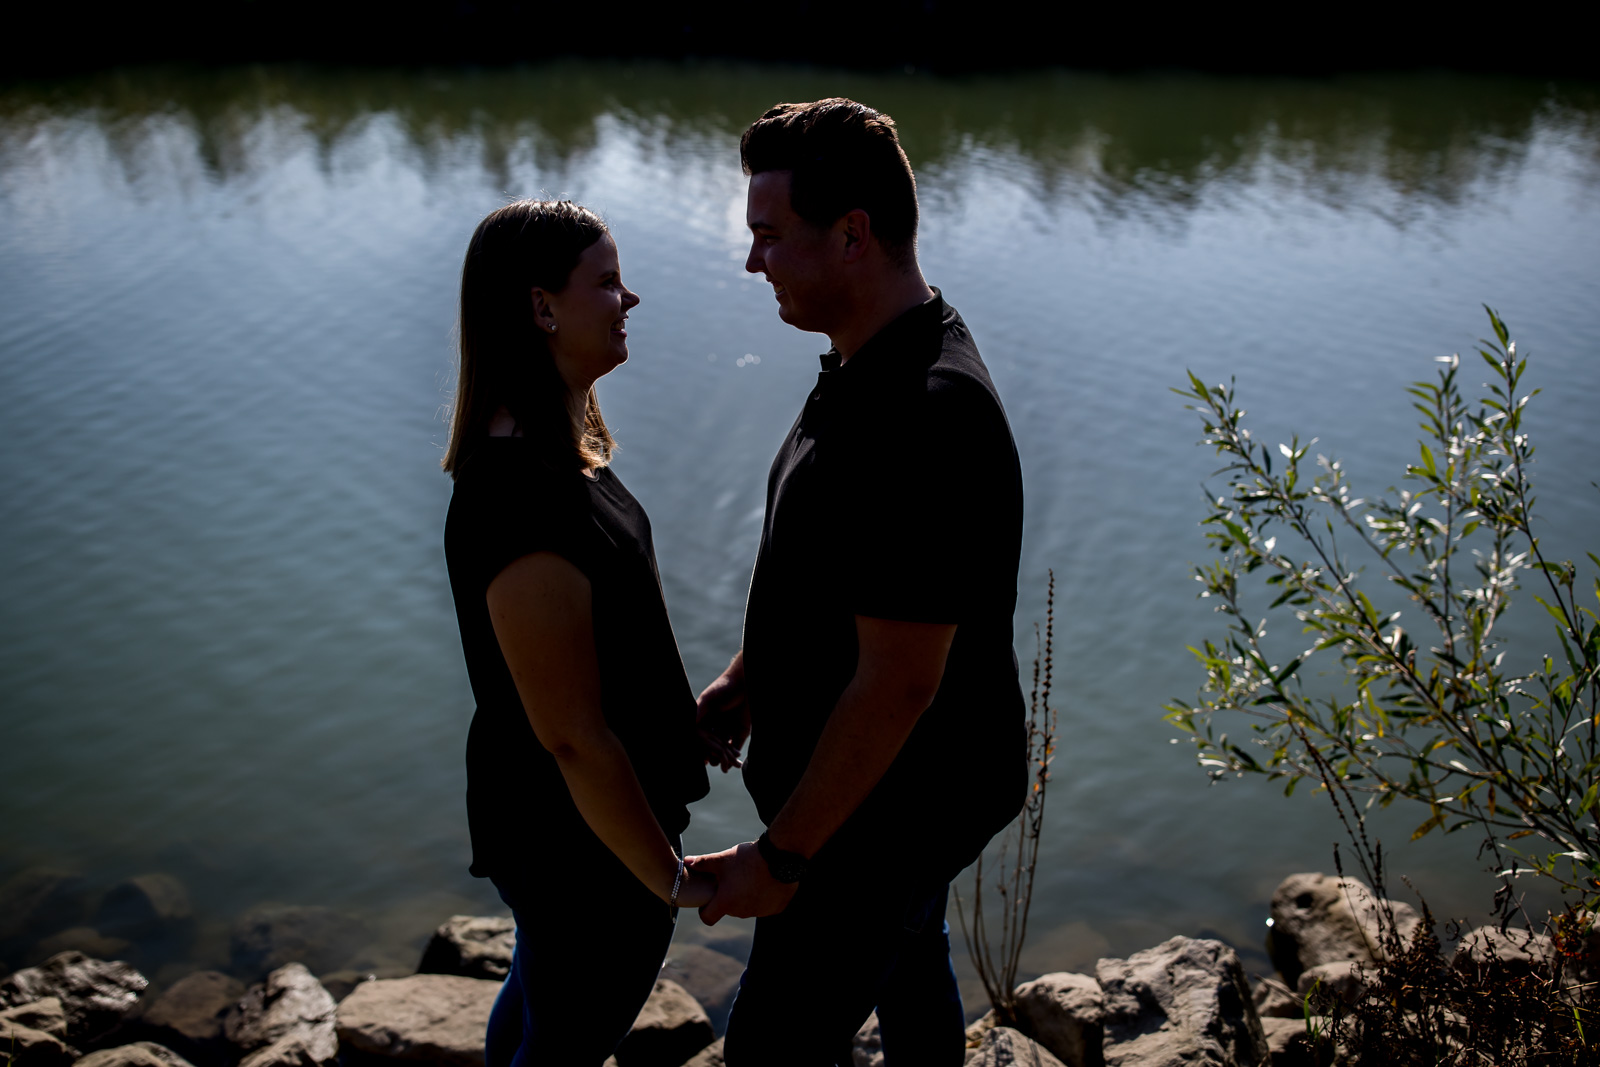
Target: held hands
698, 888
744, 887
723, 715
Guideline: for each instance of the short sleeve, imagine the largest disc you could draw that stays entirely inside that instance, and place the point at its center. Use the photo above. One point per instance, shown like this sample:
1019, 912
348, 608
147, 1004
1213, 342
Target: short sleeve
924, 517
506, 507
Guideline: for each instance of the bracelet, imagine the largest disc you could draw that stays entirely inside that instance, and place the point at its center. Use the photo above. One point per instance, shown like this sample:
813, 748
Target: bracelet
677, 884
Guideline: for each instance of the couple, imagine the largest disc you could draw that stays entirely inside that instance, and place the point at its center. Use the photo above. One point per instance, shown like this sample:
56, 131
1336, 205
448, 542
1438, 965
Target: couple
877, 683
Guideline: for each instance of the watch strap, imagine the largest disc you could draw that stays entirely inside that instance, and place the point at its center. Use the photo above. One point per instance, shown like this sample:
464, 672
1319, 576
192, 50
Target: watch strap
786, 867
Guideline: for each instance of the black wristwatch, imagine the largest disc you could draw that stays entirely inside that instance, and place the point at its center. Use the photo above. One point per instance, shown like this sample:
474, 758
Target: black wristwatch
786, 867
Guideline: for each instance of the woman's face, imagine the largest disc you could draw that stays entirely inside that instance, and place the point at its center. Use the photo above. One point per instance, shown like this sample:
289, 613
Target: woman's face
590, 317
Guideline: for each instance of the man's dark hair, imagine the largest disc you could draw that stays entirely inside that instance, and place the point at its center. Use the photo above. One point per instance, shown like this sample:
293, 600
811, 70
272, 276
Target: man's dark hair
842, 156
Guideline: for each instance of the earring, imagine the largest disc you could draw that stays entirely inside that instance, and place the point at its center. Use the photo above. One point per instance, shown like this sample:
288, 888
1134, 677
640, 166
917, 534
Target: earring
552, 327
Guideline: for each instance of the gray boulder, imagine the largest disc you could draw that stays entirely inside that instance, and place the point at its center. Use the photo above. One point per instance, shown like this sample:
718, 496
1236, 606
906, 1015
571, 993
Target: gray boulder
267, 937
1317, 919
1184, 1002
438, 1018
471, 946
291, 1006
670, 1028
1519, 951
866, 1050
138, 1054
1065, 1013
97, 996
34, 1034
1003, 1046
709, 976
188, 1017
37, 902
144, 907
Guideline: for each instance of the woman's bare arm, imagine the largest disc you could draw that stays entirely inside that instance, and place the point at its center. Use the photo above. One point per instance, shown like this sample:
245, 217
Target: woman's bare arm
542, 610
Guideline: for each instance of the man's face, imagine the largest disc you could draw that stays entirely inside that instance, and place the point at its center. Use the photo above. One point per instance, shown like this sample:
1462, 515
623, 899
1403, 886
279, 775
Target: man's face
798, 259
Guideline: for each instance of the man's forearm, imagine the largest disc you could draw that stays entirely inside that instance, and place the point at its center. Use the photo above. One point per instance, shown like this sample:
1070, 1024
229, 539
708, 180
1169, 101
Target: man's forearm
864, 734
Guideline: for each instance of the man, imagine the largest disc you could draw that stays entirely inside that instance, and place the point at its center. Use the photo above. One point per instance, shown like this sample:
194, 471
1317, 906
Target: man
877, 680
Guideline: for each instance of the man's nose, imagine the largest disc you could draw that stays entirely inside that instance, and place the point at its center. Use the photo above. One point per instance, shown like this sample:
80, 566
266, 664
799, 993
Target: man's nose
753, 262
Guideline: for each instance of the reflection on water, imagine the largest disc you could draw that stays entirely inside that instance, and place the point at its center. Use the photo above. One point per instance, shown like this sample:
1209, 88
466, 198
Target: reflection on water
226, 639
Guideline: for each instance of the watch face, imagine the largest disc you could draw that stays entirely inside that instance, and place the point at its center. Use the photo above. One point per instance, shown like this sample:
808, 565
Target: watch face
786, 867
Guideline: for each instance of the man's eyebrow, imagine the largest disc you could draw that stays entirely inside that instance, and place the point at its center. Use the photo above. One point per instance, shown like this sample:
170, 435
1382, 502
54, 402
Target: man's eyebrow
758, 224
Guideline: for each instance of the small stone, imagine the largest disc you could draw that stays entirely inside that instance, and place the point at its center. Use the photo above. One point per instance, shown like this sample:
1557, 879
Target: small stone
709, 976
670, 1028
46, 1014
1341, 979
1291, 1045
1184, 1001
1065, 1013
471, 946
96, 995
290, 1051
867, 1048
188, 1017
267, 937
986, 1022
439, 1018
340, 983
291, 1003
144, 907
1274, 1000
84, 939
1003, 1046
138, 1054
710, 1056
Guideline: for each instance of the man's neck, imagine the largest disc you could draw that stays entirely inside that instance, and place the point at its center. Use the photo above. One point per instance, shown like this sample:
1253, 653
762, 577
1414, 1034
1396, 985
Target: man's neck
905, 292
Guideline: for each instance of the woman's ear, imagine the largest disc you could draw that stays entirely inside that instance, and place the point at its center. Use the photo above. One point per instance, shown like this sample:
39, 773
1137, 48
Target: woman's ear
542, 314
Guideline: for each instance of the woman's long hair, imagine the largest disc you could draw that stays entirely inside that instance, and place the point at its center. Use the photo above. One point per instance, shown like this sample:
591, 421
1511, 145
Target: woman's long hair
504, 358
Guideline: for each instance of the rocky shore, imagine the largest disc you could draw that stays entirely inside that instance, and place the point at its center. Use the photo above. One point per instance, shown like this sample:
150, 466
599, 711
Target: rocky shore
1186, 1001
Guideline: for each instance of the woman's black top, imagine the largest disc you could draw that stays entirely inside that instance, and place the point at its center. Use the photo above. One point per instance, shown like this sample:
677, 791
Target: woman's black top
507, 505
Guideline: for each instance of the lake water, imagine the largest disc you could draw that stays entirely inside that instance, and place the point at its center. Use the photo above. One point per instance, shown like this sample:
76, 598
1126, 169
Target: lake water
227, 646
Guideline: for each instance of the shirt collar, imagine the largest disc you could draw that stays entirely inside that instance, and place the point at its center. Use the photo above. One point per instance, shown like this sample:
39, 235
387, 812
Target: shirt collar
880, 351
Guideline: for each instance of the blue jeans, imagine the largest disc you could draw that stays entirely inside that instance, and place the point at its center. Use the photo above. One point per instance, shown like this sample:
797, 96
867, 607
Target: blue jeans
580, 972
844, 946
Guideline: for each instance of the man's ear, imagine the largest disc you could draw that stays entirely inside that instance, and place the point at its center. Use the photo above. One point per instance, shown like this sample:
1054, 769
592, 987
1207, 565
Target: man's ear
541, 308
856, 228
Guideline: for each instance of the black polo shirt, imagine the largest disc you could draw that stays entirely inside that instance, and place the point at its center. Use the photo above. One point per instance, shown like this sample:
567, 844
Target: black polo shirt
896, 495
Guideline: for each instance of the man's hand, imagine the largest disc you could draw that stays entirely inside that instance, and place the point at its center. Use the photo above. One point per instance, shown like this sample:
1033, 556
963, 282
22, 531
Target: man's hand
745, 888
723, 714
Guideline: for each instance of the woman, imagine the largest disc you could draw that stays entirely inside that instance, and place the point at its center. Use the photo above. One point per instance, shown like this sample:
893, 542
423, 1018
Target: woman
583, 752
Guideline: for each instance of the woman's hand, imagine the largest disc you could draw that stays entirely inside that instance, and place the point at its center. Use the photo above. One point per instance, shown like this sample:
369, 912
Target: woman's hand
723, 716
697, 890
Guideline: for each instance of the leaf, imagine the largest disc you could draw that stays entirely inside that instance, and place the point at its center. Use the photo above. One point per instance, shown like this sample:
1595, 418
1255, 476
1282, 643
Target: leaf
1433, 820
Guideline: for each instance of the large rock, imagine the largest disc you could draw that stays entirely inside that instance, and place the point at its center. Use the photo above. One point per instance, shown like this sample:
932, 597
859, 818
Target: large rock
1003, 1046
144, 907
96, 995
34, 1035
1343, 979
709, 976
1516, 951
1186, 1002
290, 1006
670, 1028
438, 1018
1065, 1013
138, 1054
866, 1050
1274, 1000
471, 946
188, 1017
1317, 919
267, 937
